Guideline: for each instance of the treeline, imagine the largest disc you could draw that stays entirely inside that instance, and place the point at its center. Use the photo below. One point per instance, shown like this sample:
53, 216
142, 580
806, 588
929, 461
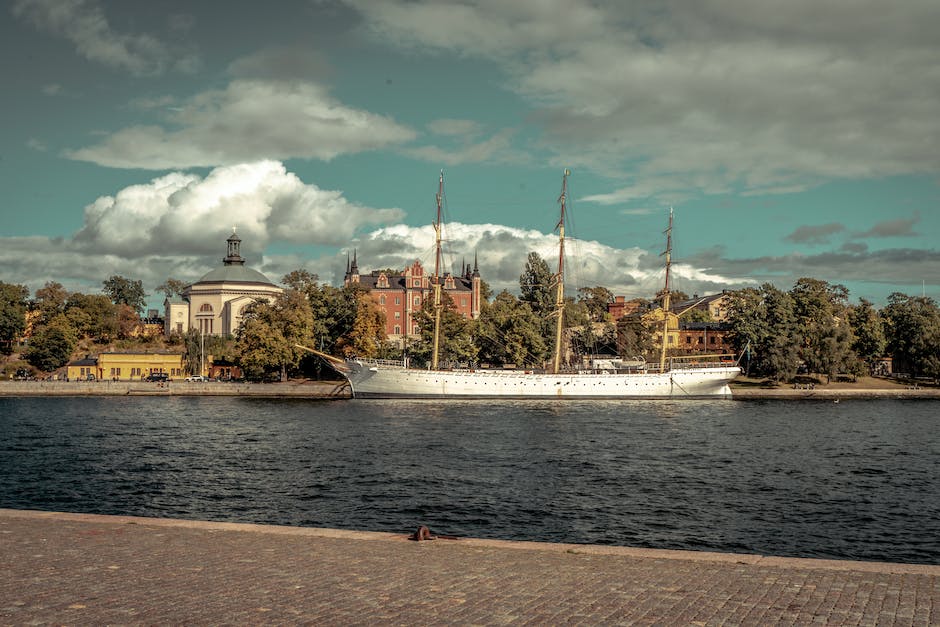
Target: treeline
778, 333
813, 327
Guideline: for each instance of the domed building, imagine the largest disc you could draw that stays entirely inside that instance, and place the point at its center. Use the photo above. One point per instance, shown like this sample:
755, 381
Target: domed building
214, 303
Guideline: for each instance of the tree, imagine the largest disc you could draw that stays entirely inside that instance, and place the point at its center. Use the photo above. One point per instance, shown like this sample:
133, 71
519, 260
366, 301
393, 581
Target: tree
870, 341
267, 341
92, 316
366, 335
172, 287
824, 336
596, 299
50, 300
912, 328
696, 315
509, 332
635, 340
125, 291
763, 325
51, 345
535, 286
301, 280
13, 304
198, 347
457, 336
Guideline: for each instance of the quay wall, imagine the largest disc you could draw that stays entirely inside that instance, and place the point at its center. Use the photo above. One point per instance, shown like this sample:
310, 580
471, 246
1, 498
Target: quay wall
306, 389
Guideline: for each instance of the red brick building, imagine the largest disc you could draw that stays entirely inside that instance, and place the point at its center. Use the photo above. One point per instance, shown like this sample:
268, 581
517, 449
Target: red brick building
400, 296
696, 338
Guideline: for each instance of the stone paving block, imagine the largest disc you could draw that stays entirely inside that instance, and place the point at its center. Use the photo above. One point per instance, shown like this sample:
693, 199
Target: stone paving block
88, 569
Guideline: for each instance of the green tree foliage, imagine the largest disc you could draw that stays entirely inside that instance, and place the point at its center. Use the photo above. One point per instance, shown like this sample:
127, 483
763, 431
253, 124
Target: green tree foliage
13, 305
536, 286
594, 338
50, 301
457, 336
199, 347
912, 326
266, 342
172, 287
823, 332
763, 322
92, 316
510, 332
301, 280
596, 300
366, 336
870, 341
696, 315
635, 340
51, 345
125, 291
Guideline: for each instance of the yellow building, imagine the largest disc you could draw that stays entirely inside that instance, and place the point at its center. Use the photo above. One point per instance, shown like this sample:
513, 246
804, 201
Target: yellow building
653, 320
126, 366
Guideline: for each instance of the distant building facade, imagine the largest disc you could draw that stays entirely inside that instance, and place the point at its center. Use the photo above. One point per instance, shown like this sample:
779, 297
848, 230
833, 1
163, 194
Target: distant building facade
402, 295
214, 304
125, 366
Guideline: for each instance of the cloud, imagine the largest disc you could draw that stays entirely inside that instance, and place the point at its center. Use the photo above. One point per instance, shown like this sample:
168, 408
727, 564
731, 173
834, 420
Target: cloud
36, 144
815, 234
289, 62
495, 149
176, 225
84, 24
705, 95
501, 252
901, 227
52, 89
248, 120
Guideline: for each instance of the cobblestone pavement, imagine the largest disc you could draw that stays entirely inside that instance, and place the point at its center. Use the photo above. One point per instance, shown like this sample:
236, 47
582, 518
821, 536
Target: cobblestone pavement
88, 569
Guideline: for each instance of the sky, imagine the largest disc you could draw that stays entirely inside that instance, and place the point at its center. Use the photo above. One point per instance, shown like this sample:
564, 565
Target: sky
793, 139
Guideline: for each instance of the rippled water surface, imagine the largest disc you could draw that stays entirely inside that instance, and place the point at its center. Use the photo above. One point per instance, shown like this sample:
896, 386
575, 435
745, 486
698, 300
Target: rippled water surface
856, 479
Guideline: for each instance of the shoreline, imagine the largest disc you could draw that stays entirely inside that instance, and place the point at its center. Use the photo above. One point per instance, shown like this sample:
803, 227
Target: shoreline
337, 390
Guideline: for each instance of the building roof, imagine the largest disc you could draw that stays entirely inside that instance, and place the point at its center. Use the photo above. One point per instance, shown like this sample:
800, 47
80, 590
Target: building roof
86, 361
234, 274
234, 270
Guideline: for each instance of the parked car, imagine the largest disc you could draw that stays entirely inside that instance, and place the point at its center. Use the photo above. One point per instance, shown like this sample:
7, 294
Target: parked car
196, 378
157, 376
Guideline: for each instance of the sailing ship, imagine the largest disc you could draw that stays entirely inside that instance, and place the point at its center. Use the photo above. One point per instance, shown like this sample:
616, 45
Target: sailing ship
681, 377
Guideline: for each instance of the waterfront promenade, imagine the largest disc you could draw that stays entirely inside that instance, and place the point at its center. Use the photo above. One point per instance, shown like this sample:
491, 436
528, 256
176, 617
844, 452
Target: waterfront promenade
60, 568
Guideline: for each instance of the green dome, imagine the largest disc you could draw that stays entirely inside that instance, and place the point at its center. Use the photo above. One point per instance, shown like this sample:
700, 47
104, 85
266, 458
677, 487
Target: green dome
234, 274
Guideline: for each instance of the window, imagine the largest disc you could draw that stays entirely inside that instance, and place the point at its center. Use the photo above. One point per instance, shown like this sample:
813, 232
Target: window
688, 339
463, 301
417, 301
206, 307
397, 315
711, 340
397, 330
382, 299
672, 339
417, 283
398, 300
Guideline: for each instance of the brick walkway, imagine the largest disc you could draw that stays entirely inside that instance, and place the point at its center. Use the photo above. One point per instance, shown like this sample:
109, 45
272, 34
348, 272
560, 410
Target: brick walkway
89, 569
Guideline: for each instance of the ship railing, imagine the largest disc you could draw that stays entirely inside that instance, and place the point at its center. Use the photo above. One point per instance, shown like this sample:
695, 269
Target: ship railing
702, 361
386, 363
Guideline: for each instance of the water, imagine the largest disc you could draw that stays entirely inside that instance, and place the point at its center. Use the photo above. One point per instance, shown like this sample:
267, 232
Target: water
851, 480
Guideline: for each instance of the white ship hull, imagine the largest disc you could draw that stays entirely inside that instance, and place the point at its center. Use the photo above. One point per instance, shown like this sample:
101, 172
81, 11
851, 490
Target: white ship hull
376, 381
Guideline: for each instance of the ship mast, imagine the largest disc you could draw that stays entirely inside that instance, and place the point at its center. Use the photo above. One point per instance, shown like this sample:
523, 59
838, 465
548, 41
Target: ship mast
436, 279
666, 294
560, 277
